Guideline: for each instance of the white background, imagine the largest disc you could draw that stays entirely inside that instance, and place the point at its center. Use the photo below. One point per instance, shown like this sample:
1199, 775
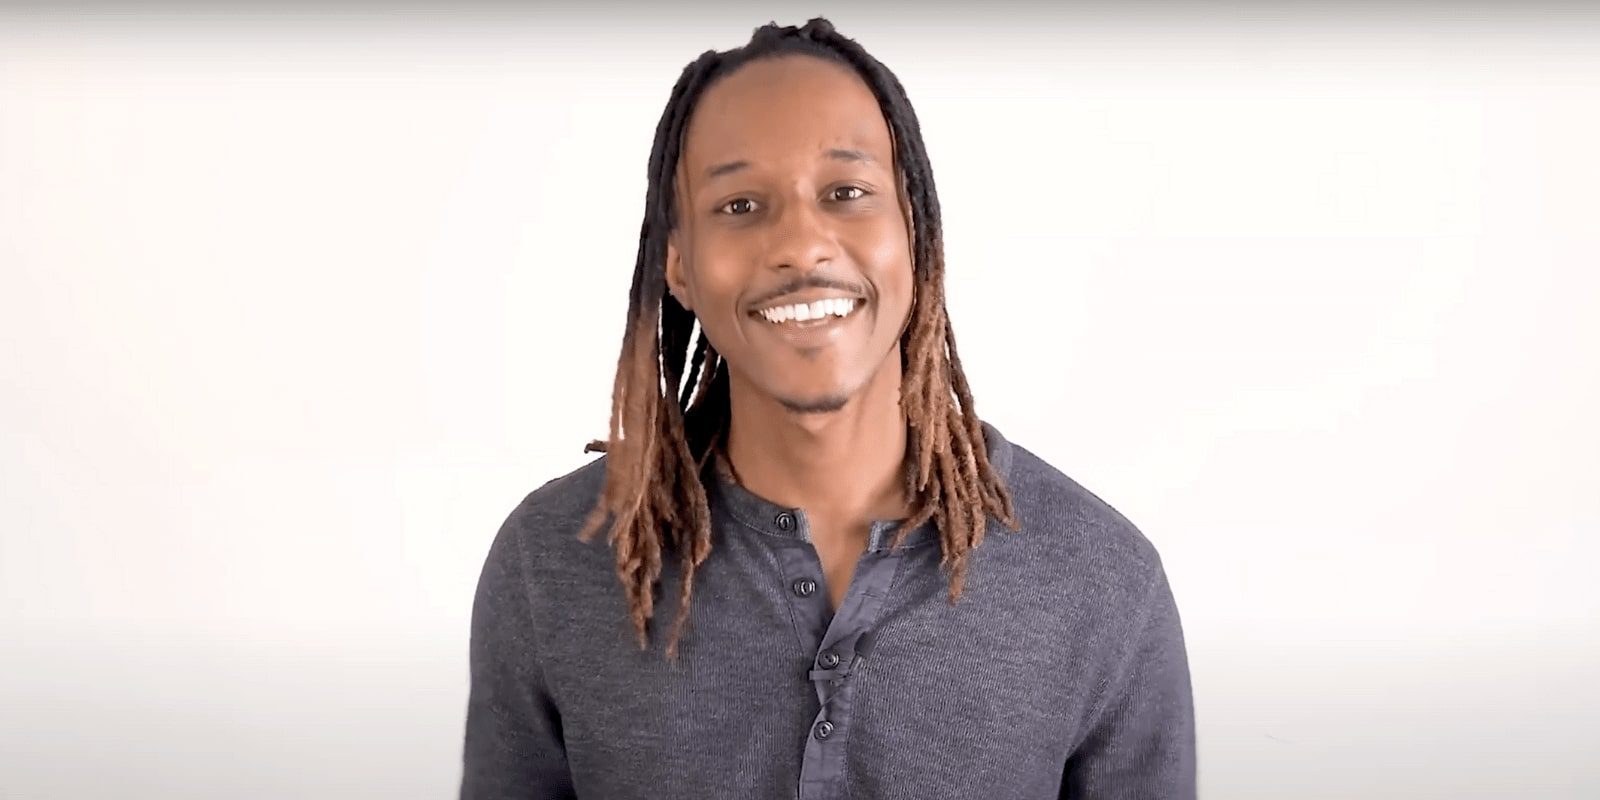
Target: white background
295, 308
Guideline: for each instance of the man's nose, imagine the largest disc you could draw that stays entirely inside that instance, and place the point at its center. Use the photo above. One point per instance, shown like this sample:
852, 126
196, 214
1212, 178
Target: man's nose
800, 238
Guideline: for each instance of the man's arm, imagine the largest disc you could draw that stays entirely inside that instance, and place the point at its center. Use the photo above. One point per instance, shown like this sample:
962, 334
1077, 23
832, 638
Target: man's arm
1141, 744
513, 735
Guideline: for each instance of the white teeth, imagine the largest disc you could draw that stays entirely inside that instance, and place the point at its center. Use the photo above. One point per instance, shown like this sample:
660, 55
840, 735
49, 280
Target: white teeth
801, 312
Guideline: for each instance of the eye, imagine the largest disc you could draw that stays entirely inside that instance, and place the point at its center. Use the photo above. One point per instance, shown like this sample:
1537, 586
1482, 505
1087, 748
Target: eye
843, 193
738, 206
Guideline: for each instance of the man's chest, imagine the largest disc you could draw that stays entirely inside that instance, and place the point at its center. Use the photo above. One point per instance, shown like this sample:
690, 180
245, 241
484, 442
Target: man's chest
838, 553
769, 694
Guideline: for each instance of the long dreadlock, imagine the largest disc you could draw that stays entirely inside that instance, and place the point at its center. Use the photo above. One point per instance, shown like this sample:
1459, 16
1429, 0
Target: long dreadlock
666, 420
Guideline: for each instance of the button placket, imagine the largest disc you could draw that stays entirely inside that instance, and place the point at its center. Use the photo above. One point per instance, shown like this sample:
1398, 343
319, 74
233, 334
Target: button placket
822, 766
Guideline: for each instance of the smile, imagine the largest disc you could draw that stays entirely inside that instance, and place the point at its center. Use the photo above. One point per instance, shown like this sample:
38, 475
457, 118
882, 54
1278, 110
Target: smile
818, 311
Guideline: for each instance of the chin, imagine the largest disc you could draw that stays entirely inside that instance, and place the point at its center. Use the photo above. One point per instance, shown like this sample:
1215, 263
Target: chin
823, 396
815, 404
809, 388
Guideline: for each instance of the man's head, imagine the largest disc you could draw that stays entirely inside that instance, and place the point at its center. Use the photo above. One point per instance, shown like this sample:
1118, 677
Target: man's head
792, 240
790, 169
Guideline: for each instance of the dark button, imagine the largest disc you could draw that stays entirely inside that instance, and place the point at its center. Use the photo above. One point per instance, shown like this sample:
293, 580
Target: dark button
804, 587
785, 521
828, 659
823, 730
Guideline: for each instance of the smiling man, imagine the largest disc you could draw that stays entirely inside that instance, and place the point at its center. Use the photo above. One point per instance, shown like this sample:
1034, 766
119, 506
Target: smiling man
877, 594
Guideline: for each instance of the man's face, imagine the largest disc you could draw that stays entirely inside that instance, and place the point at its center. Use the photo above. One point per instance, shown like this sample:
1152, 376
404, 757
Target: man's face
792, 244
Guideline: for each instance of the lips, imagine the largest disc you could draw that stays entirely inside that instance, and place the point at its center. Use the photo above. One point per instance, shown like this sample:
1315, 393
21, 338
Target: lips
828, 293
809, 322
803, 312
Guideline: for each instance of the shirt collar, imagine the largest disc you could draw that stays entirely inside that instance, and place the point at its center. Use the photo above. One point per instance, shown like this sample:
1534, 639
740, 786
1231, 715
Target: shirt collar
764, 516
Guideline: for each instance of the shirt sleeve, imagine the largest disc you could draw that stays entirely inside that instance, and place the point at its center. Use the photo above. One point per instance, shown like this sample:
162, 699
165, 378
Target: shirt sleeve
513, 746
1142, 743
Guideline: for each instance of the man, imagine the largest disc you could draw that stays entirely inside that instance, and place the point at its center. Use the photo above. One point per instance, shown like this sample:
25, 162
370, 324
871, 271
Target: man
809, 480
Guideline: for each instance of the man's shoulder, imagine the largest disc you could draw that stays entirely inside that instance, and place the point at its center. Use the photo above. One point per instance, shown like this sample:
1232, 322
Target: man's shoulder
1065, 514
557, 509
573, 493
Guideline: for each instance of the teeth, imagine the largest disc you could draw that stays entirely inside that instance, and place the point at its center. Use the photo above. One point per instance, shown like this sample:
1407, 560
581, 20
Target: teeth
801, 312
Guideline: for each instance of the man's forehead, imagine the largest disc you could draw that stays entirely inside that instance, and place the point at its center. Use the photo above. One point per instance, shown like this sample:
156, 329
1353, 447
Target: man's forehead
782, 109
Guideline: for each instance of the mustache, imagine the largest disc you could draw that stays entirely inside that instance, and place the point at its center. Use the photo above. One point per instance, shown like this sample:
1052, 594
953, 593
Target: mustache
813, 281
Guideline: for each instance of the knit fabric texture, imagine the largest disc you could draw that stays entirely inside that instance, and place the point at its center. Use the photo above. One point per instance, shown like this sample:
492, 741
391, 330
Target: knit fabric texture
1060, 672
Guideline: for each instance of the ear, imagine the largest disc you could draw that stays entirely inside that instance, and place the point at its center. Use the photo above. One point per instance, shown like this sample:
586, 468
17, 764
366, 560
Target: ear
676, 283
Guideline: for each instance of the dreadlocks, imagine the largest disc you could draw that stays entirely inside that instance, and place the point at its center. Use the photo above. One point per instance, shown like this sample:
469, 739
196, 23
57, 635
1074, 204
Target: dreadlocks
667, 416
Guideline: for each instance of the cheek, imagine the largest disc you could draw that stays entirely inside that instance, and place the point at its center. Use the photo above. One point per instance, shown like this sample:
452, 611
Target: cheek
716, 279
887, 263
713, 277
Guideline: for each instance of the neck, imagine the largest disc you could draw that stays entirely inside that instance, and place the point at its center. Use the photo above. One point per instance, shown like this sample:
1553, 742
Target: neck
841, 464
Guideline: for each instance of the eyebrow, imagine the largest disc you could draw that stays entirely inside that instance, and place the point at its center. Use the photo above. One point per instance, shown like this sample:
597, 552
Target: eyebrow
836, 153
851, 155
718, 170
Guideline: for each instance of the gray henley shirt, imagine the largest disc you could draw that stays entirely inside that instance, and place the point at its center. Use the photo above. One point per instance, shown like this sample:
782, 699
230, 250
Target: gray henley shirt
1060, 672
